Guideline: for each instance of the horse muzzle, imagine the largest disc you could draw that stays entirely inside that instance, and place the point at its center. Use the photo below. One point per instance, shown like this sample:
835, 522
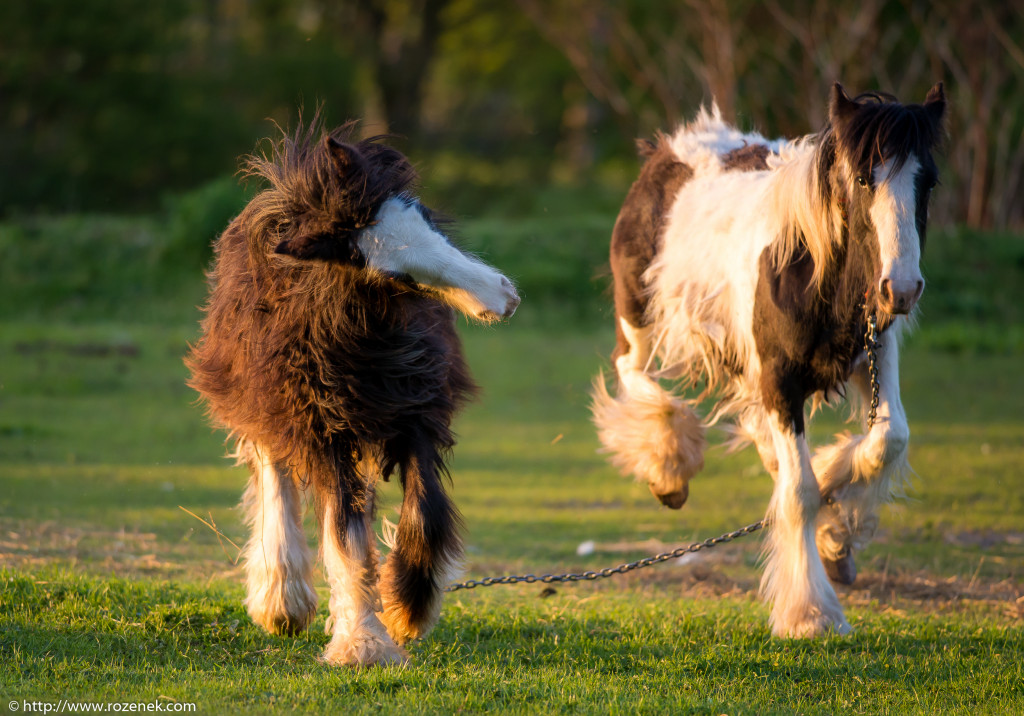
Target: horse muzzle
899, 296
842, 569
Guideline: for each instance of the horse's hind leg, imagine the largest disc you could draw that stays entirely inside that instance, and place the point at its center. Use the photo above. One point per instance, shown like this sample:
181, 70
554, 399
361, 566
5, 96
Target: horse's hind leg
649, 433
279, 579
426, 551
358, 638
858, 473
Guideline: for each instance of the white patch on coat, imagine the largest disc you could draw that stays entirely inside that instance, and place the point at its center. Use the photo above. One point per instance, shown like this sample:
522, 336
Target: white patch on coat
358, 638
647, 432
894, 214
803, 601
863, 472
703, 281
403, 242
700, 143
278, 565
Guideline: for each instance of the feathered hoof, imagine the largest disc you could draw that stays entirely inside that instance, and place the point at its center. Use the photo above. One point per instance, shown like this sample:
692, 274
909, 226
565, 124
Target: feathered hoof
651, 435
400, 626
809, 627
673, 500
365, 651
286, 608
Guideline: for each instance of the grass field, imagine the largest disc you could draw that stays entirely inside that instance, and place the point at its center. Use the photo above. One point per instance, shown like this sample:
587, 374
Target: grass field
110, 591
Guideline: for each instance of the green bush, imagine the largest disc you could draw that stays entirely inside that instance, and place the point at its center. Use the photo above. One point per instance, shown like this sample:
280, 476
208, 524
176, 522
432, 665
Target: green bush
195, 219
551, 240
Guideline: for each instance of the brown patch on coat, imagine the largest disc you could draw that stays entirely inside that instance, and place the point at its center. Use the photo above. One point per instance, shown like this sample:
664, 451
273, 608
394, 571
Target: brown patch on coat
748, 158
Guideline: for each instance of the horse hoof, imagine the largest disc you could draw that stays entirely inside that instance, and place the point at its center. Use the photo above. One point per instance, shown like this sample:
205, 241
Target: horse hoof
673, 500
842, 570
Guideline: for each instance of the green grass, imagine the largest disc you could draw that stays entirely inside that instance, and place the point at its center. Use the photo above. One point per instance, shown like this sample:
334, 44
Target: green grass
621, 651
110, 591
113, 590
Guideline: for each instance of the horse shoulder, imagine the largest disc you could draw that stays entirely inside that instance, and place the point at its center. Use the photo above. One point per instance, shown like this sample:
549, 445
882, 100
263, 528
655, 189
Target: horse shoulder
807, 335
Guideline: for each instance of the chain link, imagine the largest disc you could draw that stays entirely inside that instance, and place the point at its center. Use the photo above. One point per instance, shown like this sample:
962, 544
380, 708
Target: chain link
608, 571
871, 345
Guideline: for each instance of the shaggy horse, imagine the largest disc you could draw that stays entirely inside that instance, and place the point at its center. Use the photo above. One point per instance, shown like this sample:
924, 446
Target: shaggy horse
751, 268
329, 351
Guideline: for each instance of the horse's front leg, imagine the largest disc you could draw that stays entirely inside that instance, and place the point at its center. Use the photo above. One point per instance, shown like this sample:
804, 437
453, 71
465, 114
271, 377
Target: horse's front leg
358, 638
803, 601
858, 473
427, 547
279, 579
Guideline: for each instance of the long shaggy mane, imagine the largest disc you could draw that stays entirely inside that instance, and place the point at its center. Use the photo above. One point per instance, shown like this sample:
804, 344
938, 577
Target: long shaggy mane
323, 362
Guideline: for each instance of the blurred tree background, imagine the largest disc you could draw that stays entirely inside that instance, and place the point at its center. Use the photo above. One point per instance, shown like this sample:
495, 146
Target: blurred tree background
115, 105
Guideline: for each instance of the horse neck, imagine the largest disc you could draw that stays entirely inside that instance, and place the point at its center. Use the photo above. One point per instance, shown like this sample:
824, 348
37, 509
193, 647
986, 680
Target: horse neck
847, 278
794, 202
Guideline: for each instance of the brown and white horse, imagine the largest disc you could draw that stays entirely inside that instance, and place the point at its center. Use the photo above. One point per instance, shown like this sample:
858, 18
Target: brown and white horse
749, 268
329, 351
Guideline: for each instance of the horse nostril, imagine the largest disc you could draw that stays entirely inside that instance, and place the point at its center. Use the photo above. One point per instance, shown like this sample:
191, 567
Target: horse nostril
511, 306
885, 288
920, 290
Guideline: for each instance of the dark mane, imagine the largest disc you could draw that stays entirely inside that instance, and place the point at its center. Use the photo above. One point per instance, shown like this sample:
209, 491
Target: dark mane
885, 129
307, 185
881, 129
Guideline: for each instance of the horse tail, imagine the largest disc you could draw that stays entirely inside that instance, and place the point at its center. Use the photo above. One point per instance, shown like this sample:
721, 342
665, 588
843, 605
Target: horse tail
426, 548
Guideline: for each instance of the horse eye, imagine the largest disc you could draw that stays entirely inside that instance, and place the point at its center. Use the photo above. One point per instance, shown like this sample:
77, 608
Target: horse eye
861, 181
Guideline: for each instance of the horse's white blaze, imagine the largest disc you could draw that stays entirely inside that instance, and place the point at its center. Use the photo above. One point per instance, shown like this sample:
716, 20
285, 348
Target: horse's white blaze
403, 242
894, 214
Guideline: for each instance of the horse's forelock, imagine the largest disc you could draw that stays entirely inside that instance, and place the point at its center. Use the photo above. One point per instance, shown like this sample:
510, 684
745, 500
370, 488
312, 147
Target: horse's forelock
882, 129
305, 179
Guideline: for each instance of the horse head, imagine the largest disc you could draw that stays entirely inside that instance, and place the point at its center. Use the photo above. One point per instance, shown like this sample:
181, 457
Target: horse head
882, 175
352, 204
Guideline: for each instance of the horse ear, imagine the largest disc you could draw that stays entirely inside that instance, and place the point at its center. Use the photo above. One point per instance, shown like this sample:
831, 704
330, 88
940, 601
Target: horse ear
840, 106
935, 103
346, 158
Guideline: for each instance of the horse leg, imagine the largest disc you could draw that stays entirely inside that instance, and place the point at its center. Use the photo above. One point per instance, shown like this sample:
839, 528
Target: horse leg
426, 551
648, 432
859, 473
803, 601
279, 578
752, 425
358, 638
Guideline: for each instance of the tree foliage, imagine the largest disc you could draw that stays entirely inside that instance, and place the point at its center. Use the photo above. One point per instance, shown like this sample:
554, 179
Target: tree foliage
112, 105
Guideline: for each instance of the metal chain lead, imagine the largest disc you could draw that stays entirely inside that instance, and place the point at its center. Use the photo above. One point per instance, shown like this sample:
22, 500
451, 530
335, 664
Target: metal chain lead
871, 345
607, 571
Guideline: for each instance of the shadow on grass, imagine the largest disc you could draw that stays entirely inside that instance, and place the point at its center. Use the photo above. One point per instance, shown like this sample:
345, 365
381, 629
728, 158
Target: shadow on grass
68, 634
